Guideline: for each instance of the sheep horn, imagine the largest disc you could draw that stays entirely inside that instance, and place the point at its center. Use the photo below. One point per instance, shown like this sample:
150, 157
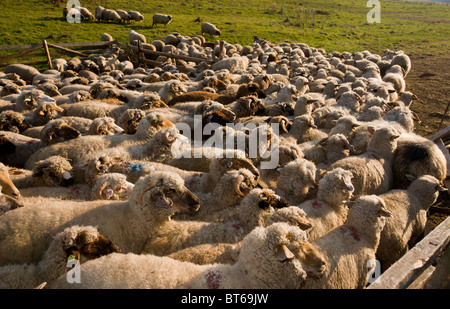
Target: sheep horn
155, 183
283, 253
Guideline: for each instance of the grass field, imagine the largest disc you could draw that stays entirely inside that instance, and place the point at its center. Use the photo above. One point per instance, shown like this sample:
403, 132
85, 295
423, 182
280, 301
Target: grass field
422, 28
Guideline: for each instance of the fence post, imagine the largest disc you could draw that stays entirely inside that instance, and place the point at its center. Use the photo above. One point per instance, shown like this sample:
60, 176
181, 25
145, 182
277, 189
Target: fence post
49, 59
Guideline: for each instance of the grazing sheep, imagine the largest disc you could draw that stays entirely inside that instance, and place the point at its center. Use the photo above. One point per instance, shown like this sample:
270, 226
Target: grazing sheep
273, 249
372, 171
136, 16
209, 29
125, 223
161, 19
409, 216
82, 243
124, 16
348, 248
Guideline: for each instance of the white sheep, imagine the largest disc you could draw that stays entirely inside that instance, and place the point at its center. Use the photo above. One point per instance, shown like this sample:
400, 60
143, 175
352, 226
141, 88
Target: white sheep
209, 29
26, 72
372, 171
125, 223
81, 243
135, 36
267, 259
161, 19
409, 216
349, 248
136, 16
328, 210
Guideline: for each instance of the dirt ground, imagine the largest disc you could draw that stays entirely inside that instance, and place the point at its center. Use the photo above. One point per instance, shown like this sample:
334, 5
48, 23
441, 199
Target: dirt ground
429, 81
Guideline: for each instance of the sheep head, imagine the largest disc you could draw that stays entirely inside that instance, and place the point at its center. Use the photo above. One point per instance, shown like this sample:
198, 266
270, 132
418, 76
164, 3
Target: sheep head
104, 126
58, 132
130, 120
313, 261
284, 123
220, 166
85, 243
54, 171
280, 243
163, 194
239, 182
13, 121
112, 186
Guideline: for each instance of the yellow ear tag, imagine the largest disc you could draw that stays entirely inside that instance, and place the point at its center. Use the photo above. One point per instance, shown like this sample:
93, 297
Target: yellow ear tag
71, 257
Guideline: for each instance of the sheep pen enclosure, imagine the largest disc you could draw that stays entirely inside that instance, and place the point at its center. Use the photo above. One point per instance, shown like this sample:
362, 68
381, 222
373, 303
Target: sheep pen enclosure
121, 93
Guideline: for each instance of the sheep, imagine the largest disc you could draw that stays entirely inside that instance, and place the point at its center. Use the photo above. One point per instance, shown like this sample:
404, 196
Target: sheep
108, 15
136, 16
7, 186
125, 223
372, 171
26, 72
98, 12
65, 128
416, 156
82, 243
161, 19
124, 16
135, 36
28, 100
209, 29
326, 151
328, 211
348, 248
303, 130
395, 76
409, 216
229, 190
297, 179
273, 249
403, 61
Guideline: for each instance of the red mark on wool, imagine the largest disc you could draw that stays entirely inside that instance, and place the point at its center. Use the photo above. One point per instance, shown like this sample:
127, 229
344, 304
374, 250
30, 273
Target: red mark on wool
213, 279
354, 233
316, 204
76, 189
236, 226
30, 142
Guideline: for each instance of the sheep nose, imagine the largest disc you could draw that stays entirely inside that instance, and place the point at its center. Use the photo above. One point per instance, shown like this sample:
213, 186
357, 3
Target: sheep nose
15, 194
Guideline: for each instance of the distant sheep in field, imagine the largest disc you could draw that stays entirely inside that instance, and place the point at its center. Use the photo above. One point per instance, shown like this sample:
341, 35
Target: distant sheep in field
161, 19
209, 29
136, 16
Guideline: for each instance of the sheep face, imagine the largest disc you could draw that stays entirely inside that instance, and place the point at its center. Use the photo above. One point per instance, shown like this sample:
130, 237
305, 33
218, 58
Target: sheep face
268, 198
105, 126
112, 186
280, 243
313, 262
130, 120
221, 166
54, 171
163, 194
55, 133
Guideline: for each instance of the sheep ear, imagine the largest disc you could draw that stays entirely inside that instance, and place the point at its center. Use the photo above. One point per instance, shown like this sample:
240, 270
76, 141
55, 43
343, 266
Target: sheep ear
323, 141
349, 203
371, 130
82, 166
283, 253
410, 177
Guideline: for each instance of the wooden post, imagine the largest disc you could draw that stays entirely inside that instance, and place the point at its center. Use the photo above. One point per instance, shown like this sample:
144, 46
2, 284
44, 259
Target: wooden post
49, 59
140, 52
443, 116
221, 50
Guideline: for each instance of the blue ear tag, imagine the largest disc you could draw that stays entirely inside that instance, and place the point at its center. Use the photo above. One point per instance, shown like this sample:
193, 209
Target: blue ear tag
136, 168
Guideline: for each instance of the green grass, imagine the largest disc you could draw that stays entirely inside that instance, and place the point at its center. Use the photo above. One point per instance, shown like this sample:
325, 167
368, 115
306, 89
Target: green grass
422, 28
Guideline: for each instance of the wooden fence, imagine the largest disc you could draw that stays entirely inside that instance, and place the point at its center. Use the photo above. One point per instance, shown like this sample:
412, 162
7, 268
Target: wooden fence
60, 49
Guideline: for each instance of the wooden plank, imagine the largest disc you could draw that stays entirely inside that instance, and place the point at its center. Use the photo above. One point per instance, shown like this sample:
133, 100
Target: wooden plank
440, 279
81, 44
24, 52
440, 134
67, 50
403, 272
49, 58
420, 282
444, 150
